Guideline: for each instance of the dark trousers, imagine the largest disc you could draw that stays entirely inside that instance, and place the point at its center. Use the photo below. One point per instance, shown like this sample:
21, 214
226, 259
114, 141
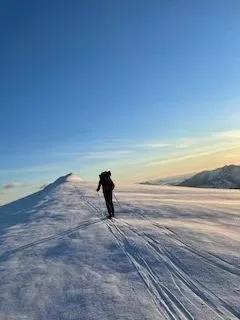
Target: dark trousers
109, 202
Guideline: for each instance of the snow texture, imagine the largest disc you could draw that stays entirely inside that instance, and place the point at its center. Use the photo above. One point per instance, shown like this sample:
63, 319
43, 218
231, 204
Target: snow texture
171, 253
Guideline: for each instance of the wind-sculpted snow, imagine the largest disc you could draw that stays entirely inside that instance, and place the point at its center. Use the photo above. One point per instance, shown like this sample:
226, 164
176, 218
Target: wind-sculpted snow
171, 253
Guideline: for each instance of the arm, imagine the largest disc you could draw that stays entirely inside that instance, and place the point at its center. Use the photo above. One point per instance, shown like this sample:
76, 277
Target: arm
113, 185
99, 185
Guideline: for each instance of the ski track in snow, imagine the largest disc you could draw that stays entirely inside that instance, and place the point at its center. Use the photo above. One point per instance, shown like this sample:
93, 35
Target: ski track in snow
176, 271
164, 256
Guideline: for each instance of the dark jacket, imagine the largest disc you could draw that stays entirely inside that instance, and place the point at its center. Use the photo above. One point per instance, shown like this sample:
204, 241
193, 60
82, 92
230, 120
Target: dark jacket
106, 183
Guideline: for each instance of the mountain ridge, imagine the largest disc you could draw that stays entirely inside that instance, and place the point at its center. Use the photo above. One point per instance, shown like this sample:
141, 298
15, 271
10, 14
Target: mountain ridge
172, 181
226, 177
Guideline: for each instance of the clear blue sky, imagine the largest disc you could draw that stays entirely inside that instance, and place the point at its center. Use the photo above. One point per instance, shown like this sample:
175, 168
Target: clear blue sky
80, 78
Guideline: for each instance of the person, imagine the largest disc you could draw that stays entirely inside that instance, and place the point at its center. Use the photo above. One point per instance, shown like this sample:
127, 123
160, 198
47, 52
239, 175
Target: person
107, 185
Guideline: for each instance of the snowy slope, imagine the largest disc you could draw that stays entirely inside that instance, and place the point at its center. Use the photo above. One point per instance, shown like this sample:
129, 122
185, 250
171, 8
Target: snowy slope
171, 253
225, 177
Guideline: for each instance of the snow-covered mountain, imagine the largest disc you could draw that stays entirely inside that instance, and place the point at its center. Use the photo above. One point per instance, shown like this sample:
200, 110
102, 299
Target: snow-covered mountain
171, 253
225, 177
172, 181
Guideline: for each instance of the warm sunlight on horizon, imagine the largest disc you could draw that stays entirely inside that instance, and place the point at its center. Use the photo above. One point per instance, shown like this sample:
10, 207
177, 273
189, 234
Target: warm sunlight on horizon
146, 89
120, 160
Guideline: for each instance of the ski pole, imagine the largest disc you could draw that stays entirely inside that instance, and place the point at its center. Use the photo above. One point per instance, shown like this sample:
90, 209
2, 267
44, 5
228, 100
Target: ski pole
100, 210
99, 201
117, 200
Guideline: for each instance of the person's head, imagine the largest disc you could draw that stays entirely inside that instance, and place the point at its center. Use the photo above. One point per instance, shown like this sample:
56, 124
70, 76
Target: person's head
105, 174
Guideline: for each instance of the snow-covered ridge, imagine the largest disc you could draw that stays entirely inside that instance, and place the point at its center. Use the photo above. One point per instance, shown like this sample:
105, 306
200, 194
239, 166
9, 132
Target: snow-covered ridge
70, 177
171, 253
225, 177
73, 178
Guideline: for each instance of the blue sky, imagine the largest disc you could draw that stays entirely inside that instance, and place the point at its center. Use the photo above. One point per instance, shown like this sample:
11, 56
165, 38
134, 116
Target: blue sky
89, 85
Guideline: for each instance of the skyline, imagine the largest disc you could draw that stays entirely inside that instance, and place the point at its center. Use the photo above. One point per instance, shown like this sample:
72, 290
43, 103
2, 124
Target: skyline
136, 87
187, 156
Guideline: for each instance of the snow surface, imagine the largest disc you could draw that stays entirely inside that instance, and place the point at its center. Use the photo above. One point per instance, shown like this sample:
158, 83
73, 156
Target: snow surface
171, 253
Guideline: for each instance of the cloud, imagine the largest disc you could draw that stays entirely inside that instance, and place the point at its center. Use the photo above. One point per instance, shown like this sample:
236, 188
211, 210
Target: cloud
156, 145
184, 143
231, 134
133, 154
183, 146
11, 185
107, 154
100, 154
32, 169
187, 156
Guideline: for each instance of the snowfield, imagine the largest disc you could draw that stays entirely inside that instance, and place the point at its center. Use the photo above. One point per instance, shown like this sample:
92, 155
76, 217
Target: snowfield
171, 253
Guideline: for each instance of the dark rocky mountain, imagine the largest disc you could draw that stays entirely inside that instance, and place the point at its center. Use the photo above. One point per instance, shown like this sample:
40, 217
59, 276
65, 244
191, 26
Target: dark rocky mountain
225, 177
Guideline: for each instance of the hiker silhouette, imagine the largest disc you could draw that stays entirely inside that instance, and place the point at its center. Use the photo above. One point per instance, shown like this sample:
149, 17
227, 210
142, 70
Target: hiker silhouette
107, 186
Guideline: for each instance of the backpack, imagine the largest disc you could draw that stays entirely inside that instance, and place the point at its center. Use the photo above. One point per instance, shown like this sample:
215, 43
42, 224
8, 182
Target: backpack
106, 181
105, 175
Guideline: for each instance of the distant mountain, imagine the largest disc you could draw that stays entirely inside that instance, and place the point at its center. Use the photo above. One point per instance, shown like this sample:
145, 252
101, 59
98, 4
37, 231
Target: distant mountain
172, 181
227, 177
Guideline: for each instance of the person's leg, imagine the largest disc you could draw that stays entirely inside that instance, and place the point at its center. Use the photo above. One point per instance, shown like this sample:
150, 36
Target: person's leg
108, 205
111, 204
